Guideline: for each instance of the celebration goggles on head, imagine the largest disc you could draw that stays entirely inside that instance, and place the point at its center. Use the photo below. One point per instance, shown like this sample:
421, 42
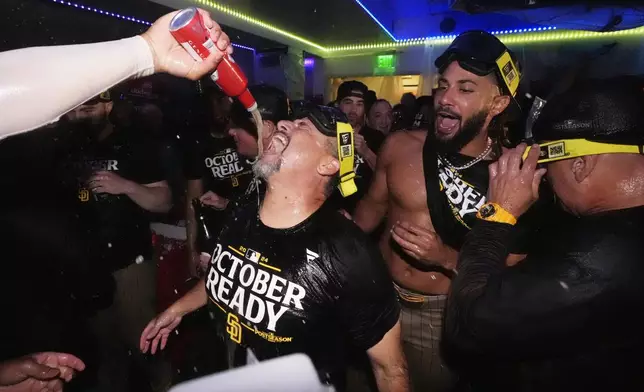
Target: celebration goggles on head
481, 54
332, 122
573, 148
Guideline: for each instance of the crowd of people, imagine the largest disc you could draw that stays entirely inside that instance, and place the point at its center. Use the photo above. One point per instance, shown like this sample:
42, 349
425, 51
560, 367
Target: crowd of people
414, 247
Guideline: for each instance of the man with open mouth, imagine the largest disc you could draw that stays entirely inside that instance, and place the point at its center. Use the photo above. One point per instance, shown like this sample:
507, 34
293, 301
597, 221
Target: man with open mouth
430, 185
289, 273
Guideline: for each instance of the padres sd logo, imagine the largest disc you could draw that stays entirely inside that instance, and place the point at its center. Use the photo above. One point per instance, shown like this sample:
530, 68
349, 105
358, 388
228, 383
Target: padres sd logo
233, 328
83, 195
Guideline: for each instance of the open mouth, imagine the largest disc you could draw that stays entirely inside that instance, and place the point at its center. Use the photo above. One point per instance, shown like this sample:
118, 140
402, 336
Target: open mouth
447, 122
278, 143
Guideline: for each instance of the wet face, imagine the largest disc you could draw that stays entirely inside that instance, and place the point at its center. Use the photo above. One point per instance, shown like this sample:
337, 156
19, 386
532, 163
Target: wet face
465, 104
296, 149
381, 116
353, 107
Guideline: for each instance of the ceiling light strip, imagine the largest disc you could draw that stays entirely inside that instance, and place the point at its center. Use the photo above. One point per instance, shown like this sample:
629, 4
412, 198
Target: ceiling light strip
539, 35
257, 22
511, 31
513, 36
376, 20
122, 17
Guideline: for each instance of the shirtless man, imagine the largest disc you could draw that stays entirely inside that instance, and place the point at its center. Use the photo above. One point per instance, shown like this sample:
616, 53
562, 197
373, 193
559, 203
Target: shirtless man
450, 162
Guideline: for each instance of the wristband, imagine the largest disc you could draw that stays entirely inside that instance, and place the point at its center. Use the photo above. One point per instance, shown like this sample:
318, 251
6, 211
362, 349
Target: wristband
493, 212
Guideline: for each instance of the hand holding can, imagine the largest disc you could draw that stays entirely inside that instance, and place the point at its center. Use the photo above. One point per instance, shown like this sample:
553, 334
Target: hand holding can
190, 29
169, 56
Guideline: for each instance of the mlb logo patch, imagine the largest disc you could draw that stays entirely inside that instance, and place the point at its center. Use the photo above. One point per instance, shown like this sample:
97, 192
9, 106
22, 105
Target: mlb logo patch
253, 256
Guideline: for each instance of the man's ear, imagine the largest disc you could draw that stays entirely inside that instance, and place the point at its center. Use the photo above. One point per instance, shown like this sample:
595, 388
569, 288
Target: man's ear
500, 103
109, 106
583, 166
328, 166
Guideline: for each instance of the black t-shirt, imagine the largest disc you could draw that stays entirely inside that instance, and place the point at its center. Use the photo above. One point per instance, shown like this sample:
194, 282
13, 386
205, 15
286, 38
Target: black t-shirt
364, 173
216, 161
118, 229
567, 318
456, 195
319, 288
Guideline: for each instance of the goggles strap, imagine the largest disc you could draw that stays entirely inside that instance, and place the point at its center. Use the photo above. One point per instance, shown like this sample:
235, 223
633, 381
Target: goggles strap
509, 72
346, 156
573, 148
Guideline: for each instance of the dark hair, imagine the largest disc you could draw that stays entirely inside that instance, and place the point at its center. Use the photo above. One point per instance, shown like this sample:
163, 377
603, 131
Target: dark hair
380, 100
424, 100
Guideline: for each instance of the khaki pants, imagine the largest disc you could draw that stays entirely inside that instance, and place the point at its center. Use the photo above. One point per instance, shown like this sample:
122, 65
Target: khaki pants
118, 329
422, 323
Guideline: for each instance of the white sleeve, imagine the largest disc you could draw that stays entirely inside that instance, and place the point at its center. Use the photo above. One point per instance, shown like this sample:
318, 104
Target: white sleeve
38, 85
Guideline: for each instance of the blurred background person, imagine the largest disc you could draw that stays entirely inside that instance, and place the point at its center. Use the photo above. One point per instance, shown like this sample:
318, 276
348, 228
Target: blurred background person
212, 164
351, 101
424, 112
112, 174
381, 116
399, 120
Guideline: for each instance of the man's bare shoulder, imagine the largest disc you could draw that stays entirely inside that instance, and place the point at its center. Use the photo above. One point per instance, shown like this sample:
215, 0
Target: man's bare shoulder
398, 142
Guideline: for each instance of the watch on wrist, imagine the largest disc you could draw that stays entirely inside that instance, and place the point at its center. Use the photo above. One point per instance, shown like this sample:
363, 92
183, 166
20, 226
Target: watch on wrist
493, 212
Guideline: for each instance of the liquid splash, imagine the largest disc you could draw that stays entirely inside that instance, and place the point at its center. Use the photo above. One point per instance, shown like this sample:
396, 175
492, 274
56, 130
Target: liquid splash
259, 122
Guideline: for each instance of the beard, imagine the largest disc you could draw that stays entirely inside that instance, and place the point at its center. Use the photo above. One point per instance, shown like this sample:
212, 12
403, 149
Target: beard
264, 170
469, 130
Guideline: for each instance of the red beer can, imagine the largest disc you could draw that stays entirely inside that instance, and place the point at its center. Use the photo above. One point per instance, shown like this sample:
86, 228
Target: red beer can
188, 29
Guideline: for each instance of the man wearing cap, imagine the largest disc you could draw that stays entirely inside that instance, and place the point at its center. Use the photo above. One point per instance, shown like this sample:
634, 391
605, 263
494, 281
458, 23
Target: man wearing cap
352, 97
242, 144
291, 274
430, 185
568, 317
112, 175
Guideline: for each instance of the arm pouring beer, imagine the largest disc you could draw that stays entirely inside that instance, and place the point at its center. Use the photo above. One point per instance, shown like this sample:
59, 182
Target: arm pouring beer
63, 77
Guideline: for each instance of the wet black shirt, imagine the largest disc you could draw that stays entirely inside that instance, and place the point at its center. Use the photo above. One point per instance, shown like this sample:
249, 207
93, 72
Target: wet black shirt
216, 161
118, 230
320, 288
567, 318
364, 173
454, 197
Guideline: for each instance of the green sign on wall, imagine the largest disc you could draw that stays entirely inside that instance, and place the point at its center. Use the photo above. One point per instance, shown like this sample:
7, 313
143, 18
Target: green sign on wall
385, 64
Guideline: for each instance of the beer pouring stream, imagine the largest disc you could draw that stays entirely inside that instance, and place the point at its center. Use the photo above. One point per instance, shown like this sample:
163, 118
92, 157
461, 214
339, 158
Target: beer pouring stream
188, 29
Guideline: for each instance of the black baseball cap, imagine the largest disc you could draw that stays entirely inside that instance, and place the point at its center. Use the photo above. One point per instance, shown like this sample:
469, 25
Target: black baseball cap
353, 88
607, 111
272, 104
481, 53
